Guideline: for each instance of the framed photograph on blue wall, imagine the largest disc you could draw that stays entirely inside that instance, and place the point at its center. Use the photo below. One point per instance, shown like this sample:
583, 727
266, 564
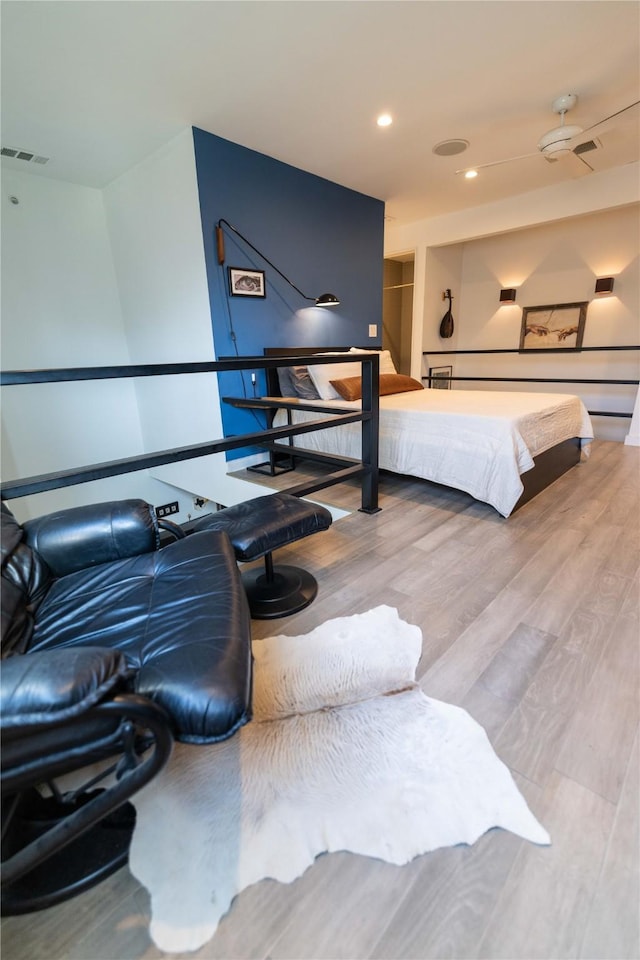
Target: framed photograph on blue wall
246, 283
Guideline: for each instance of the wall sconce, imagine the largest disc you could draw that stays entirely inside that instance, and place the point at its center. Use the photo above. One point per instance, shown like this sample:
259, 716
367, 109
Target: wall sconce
508, 295
604, 286
324, 300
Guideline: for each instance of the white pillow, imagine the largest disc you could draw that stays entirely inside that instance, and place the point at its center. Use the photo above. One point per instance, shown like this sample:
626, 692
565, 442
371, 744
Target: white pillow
386, 363
323, 373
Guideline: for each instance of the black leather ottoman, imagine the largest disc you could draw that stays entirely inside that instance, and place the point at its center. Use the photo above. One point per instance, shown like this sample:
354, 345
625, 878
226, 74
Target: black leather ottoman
258, 527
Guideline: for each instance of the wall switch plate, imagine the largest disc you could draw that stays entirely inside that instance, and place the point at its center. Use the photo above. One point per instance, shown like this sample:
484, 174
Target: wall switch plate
373, 329
167, 509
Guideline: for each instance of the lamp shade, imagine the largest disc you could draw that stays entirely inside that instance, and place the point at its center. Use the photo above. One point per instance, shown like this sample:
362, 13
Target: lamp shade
604, 286
327, 300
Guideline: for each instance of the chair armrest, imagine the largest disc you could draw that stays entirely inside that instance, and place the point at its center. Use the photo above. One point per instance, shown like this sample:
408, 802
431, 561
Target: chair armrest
82, 537
54, 686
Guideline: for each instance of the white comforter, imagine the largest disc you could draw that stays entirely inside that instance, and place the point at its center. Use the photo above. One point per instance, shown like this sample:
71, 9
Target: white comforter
477, 441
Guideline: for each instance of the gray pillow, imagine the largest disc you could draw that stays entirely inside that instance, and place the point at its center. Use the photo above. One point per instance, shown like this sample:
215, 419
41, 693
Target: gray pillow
285, 379
303, 385
297, 382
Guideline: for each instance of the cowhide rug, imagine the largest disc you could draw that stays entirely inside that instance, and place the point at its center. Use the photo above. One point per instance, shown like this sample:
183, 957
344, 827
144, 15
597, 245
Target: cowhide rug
344, 752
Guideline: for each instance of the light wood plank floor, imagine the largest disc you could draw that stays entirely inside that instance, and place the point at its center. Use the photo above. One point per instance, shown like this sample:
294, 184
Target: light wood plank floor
530, 624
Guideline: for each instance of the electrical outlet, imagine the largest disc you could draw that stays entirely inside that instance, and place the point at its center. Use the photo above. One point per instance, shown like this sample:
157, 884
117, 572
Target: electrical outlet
200, 502
167, 509
373, 329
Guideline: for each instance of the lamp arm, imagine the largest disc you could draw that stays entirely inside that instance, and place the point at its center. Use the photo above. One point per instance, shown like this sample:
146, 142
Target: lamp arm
220, 243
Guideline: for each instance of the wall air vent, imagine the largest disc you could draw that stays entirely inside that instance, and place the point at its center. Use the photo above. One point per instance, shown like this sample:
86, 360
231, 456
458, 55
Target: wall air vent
25, 155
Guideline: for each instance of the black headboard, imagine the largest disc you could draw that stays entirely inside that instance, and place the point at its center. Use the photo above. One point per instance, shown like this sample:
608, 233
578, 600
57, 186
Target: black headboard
273, 384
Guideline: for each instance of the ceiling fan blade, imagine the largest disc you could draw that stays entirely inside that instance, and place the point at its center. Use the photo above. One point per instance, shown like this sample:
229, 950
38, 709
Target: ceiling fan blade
579, 166
579, 137
582, 160
495, 163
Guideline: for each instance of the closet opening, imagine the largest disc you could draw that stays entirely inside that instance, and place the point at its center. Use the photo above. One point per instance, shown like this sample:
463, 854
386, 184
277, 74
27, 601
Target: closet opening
397, 309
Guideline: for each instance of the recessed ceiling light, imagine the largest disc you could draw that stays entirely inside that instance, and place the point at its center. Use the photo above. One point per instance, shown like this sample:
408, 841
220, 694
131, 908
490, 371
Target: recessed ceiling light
384, 120
449, 148
470, 174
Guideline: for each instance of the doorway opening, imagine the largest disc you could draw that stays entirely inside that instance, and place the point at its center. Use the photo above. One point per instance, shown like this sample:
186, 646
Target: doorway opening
397, 309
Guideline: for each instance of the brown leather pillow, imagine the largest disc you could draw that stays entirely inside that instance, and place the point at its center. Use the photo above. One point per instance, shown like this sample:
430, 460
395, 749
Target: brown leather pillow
351, 387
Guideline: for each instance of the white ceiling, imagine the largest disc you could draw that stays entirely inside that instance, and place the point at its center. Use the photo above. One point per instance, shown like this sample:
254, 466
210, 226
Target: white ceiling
98, 86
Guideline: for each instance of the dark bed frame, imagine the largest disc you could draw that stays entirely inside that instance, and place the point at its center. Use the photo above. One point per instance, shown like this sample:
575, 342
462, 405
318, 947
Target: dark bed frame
548, 466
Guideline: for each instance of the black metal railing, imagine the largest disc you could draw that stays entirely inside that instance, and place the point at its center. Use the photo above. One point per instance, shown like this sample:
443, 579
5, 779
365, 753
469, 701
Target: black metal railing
366, 468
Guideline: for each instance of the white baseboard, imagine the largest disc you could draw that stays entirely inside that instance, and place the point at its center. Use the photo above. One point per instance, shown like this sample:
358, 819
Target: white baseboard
632, 439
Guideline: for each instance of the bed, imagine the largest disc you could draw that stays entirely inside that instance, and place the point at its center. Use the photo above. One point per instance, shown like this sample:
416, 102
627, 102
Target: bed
501, 447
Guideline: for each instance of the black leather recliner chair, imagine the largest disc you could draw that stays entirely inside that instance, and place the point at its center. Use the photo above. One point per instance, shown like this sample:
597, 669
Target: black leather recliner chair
111, 647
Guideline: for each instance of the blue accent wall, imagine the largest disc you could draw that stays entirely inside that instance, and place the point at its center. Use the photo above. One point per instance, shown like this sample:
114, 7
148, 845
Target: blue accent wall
324, 237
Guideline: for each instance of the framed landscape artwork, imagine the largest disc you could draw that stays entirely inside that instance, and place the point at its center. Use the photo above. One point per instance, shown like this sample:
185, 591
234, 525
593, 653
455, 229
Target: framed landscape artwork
557, 326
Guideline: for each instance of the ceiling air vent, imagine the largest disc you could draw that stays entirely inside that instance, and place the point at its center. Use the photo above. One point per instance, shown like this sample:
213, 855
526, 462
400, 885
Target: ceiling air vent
26, 155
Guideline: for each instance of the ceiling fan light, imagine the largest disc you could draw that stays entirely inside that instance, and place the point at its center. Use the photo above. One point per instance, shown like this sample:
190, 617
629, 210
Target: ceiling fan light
558, 140
557, 149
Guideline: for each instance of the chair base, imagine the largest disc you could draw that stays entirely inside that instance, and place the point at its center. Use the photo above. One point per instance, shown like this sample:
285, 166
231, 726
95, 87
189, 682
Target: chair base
83, 863
289, 590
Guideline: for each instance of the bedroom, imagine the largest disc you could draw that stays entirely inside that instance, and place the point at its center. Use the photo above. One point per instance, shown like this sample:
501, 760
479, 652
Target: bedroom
135, 324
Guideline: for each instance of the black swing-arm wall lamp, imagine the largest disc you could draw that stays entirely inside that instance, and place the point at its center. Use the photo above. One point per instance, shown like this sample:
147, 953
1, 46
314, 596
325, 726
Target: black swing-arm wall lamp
324, 300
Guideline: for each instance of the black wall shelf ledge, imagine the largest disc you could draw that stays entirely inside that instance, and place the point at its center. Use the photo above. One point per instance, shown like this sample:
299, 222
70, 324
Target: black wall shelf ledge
609, 413
539, 380
441, 353
568, 353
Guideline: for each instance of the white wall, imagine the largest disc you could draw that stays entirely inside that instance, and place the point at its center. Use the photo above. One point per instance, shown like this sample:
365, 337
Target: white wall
592, 231
114, 277
155, 228
443, 270
60, 308
557, 263
59, 296
596, 192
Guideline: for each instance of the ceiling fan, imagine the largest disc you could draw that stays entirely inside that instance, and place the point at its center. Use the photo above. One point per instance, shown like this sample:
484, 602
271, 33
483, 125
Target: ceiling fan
563, 140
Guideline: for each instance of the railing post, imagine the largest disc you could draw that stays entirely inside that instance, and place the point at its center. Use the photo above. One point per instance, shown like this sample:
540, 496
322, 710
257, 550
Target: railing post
371, 405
